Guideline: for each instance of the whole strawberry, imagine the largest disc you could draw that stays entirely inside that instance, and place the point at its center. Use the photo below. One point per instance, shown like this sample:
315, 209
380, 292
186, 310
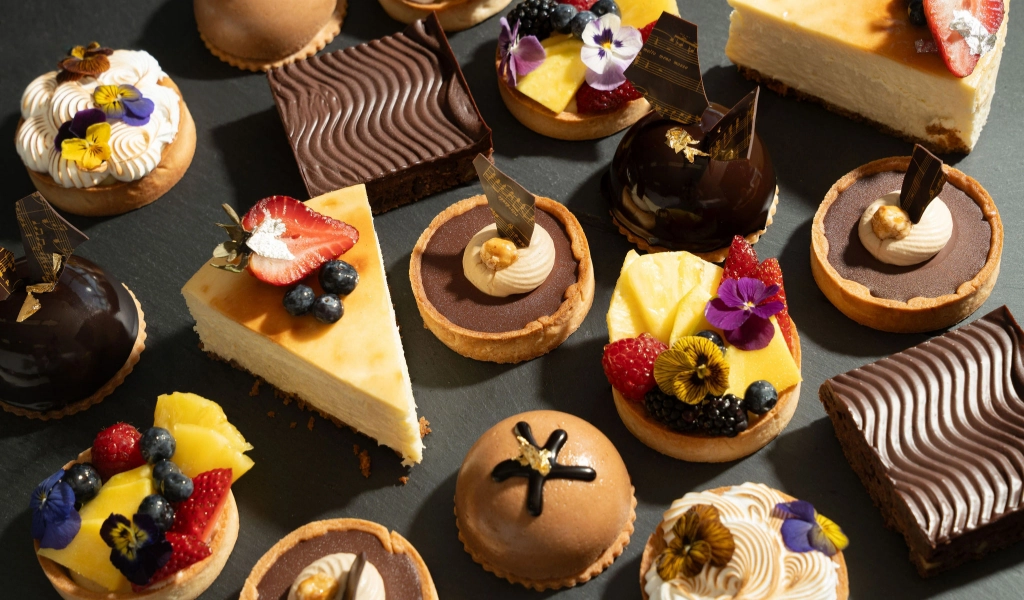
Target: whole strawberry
742, 259
116, 450
629, 365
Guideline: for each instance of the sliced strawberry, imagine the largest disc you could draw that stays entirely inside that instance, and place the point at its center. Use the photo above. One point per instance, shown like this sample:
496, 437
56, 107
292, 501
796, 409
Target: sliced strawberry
311, 238
116, 450
198, 515
589, 100
770, 273
952, 46
742, 259
186, 551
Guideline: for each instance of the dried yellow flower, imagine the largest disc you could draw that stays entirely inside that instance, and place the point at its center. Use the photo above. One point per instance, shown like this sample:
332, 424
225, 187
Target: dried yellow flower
700, 538
691, 369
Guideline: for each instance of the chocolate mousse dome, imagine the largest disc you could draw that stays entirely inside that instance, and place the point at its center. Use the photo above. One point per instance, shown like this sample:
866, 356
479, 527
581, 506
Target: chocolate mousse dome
662, 198
263, 30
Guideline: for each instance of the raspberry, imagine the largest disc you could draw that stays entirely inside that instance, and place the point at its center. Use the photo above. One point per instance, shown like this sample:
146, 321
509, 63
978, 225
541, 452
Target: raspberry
186, 551
629, 365
742, 259
580, 4
198, 515
770, 273
646, 31
116, 450
589, 100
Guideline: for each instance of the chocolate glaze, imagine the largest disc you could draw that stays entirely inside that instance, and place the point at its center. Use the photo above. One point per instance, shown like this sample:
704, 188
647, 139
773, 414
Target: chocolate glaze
401, 579
938, 432
699, 206
395, 113
80, 338
962, 258
462, 303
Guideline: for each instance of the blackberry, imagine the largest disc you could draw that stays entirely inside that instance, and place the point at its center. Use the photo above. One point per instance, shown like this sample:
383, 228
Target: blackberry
534, 17
722, 416
670, 410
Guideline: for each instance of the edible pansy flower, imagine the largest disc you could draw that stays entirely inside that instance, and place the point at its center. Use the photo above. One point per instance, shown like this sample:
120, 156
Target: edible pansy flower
78, 126
742, 309
138, 547
804, 529
608, 48
691, 369
84, 61
518, 56
123, 102
90, 152
700, 538
55, 522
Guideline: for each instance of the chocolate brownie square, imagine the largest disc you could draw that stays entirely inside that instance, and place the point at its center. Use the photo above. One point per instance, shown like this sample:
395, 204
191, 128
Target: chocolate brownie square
936, 434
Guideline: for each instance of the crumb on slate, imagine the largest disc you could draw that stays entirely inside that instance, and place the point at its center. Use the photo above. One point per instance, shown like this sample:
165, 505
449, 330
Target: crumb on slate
424, 427
292, 425
270, 414
364, 463
404, 480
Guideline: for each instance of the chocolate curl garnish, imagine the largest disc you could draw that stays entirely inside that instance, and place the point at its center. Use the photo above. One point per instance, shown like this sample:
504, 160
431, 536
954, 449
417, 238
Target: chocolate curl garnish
8, 276
49, 241
732, 138
511, 204
539, 464
354, 575
667, 71
922, 183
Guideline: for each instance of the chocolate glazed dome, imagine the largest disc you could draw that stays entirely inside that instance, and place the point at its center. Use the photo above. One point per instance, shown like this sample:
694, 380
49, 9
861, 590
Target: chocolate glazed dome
661, 197
262, 30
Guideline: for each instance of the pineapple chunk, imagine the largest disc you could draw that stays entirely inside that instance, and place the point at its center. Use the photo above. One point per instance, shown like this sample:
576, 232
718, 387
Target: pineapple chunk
89, 556
143, 472
773, 363
690, 314
640, 13
180, 407
123, 498
554, 83
200, 449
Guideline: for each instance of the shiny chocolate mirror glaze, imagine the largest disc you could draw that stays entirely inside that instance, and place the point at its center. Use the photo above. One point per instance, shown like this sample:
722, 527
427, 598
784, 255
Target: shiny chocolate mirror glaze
697, 207
80, 338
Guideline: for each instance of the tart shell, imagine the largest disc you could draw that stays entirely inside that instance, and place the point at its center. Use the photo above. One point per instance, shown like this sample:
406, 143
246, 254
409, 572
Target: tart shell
392, 542
538, 337
695, 448
454, 15
656, 544
918, 314
187, 584
123, 196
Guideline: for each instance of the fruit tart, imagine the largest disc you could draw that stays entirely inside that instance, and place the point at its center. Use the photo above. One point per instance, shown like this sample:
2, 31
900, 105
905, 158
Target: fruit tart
454, 15
144, 514
907, 244
704, 362
560, 65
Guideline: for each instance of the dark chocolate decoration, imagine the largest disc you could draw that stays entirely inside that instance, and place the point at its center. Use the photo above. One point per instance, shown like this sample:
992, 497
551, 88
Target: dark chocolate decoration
667, 71
8, 277
355, 573
733, 137
513, 467
511, 203
44, 233
922, 183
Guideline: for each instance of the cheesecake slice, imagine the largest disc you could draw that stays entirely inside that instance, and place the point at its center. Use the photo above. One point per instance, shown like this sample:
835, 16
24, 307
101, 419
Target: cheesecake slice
860, 59
353, 370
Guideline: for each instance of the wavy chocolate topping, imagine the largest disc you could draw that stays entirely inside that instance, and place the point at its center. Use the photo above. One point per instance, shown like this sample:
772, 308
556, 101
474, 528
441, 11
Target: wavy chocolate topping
395, 113
80, 338
941, 427
662, 197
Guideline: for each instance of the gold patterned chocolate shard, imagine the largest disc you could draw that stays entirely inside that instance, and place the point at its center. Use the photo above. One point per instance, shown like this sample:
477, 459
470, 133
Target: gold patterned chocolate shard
922, 183
511, 204
733, 136
667, 71
8, 275
49, 240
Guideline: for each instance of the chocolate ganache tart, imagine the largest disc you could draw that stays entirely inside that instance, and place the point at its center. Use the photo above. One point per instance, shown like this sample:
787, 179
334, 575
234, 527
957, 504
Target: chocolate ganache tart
945, 282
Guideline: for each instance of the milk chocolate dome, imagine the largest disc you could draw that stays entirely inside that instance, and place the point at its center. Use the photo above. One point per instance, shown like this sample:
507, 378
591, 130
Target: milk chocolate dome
550, 529
262, 34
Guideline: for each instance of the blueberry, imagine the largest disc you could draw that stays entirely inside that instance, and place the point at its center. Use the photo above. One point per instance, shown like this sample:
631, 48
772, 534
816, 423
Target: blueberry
338, 277
176, 487
328, 309
915, 11
714, 337
84, 481
604, 7
156, 444
561, 18
160, 509
163, 468
298, 300
760, 397
580, 22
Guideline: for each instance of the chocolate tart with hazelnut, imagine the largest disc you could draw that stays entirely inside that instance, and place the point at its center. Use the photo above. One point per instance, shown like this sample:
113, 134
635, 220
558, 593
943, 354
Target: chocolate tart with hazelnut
397, 562
454, 15
934, 294
545, 517
500, 329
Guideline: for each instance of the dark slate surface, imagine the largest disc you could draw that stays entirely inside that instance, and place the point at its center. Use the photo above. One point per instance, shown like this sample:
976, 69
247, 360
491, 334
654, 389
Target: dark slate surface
303, 475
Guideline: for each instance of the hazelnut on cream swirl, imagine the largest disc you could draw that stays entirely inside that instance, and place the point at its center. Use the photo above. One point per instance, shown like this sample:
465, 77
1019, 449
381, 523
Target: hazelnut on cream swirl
761, 568
326, 578
500, 269
889, 235
135, 151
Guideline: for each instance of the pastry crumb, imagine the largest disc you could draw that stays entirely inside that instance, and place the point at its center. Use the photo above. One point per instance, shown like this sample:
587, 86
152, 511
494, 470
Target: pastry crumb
255, 391
355, 449
424, 427
364, 463
293, 424
404, 480
309, 425
270, 414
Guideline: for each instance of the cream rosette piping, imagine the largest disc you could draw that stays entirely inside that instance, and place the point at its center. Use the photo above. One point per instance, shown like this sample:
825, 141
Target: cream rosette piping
761, 567
134, 150
529, 267
913, 243
331, 572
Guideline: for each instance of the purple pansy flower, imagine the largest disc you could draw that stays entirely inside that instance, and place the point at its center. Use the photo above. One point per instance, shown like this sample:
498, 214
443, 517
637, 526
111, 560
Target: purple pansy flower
55, 522
518, 56
124, 102
741, 310
804, 529
78, 125
608, 48
138, 547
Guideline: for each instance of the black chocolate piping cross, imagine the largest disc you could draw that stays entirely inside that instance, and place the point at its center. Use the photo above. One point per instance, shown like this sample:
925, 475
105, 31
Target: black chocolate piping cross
535, 492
